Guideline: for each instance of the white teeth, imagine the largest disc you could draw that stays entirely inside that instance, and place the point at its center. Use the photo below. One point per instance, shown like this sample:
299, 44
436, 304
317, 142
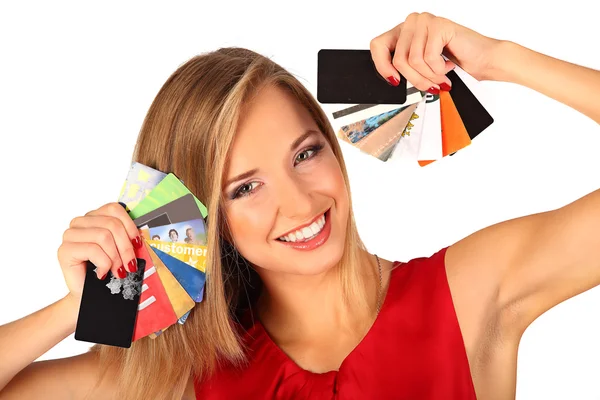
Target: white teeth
307, 232
315, 228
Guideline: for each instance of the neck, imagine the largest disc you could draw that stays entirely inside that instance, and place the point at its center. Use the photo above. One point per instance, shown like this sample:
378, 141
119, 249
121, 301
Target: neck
297, 306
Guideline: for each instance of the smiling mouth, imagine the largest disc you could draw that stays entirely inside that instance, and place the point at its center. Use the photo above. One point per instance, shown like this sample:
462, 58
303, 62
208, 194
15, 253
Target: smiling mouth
308, 232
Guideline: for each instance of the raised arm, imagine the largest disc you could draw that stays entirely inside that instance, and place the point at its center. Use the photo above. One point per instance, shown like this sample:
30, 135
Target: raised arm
543, 259
574, 85
515, 270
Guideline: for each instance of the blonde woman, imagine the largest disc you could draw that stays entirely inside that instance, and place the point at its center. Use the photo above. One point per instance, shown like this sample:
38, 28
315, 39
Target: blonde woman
295, 306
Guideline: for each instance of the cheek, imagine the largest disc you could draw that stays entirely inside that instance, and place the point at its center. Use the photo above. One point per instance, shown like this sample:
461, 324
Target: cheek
333, 180
248, 225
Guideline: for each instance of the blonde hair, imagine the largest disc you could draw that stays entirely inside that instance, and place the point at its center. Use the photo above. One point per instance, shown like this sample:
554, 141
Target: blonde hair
188, 130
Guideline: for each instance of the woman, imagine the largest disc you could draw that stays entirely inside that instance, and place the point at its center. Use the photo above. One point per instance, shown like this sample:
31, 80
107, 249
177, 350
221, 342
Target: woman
328, 319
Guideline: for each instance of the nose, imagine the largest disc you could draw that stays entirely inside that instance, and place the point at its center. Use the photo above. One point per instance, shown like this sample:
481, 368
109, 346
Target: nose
294, 198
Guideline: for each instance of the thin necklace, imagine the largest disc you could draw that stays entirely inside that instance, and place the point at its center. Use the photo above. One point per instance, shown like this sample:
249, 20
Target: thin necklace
379, 289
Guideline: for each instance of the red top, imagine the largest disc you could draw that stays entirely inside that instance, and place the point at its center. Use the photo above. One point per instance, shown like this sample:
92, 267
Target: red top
414, 350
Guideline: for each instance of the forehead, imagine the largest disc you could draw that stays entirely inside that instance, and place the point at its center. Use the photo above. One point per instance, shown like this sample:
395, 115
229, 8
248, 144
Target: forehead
269, 124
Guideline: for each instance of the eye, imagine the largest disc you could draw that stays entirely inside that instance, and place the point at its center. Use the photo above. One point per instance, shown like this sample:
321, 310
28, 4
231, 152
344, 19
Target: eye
243, 191
310, 152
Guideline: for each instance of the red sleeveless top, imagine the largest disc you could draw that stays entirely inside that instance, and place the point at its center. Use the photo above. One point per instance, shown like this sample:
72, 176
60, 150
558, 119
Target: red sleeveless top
413, 351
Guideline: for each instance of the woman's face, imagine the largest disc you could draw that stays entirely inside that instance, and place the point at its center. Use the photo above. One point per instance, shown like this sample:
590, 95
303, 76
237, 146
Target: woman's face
290, 179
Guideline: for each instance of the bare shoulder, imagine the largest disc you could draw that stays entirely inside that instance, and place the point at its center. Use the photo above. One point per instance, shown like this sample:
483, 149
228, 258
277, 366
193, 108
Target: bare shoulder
74, 377
474, 278
477, 267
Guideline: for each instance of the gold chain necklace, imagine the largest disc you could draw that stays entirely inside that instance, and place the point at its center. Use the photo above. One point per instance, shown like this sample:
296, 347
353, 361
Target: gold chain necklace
379, 289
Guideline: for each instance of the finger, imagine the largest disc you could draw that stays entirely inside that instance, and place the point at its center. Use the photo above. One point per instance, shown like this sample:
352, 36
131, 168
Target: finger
401, 63
119, 235
118, 211
104, 238
416, 51
73, 254
381, 48
433, 55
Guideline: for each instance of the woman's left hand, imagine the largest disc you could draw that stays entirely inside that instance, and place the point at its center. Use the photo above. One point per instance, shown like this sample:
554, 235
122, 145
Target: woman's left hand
418, 44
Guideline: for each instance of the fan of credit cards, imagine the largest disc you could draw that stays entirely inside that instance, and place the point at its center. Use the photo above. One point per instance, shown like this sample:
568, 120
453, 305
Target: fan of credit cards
171, 265
397, 122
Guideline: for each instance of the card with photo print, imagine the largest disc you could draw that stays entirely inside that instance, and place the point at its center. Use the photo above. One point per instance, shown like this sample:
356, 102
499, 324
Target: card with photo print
378, 135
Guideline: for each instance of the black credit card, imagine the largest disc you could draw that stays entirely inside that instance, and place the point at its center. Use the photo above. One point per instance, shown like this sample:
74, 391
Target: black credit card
108, 308
350, 77
474, 116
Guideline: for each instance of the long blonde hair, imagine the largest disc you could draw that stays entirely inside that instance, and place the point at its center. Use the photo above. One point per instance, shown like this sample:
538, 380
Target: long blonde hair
188, 130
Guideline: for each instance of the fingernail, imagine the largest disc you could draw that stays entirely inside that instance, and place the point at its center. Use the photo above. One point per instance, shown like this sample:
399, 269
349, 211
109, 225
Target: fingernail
132, 265
433, 90
445, 87
103, 277
393, 80
121, 272
137, 242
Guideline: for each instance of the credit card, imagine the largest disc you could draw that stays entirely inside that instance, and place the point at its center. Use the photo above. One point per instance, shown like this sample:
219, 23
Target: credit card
350, 77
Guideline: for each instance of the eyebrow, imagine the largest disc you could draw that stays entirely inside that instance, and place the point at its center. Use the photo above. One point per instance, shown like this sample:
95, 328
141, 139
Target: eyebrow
293, 147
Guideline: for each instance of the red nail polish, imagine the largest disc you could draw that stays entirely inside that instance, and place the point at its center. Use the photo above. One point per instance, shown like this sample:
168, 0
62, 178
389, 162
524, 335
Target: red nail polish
444, 86
433, 90
137, 242
132, 265
103, 277
121, 272
393, 80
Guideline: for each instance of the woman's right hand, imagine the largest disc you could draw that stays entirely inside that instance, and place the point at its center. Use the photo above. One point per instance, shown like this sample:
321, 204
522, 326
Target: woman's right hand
107, 237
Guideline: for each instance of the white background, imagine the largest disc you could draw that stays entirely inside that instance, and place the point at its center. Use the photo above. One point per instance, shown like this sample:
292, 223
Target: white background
77, 79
